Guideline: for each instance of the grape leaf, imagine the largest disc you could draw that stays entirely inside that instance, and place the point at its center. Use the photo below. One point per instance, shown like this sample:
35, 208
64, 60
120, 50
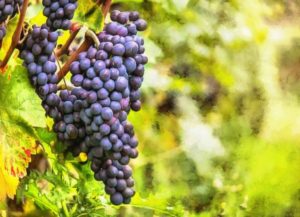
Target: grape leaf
18, 97
90, 13
20, 111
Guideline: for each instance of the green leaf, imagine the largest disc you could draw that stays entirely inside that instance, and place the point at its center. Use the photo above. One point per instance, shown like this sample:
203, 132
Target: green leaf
89, 13
20, 110
45, 136
18, 97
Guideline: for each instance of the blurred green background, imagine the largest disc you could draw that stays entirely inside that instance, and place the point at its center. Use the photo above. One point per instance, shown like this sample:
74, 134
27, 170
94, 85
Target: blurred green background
219, 129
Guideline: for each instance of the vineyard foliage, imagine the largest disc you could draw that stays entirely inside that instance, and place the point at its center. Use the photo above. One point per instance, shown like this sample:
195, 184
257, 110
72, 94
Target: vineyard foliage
219, 128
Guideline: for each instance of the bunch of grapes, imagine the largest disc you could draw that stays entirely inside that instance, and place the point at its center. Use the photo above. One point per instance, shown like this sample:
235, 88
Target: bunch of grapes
59, 13
121, 40
70, 128
111, 75
8, 8
117, 179
91, 117
40, 63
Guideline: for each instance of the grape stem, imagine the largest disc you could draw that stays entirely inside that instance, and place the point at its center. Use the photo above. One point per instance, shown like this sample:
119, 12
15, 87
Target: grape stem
83, 47
106, 7
16, 36
64, 49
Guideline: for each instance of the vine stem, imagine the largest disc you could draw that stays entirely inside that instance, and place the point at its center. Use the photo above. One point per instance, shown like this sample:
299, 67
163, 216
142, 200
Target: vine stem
106, 7
83, 47
16, 36
75, 28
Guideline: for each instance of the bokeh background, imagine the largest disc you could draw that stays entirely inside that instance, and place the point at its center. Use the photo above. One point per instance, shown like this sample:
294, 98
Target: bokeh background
219, 129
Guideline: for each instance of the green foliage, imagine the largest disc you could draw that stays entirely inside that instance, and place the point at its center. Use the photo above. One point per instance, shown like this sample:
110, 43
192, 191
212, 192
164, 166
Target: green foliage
219, 127
18, 102
88, 13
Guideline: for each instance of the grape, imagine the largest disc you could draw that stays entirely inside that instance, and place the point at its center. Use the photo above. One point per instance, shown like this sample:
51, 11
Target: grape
99, 66
2, 31
114, 15
121, 84
109, 85
85, 64
130, 64
118, 50
77, 80
141, 24
102, 93
106, 113
96, 109
67, 107
117, 61
97, 83
123, 17
105, 74
134, 15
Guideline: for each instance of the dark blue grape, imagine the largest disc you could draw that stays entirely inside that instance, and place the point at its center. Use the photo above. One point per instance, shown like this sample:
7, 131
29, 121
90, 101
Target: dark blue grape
118, 50
114, 15
116, 61
99, 65
91, 73
106, 113
134, 15
77, 80
98, 120
109, 85
87, 83
96, 108
104, 129
130, 64
115, 106
91, 97
67, 107
121, 83
141, 24
42, 79
101, 55
102, 93
97, 83
85, 64
112, 28
112, 182
105, 74
116, 198
132, 48
106, 144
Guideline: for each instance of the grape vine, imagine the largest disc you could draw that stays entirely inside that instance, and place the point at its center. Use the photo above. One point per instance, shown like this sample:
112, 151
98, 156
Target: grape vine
91, 116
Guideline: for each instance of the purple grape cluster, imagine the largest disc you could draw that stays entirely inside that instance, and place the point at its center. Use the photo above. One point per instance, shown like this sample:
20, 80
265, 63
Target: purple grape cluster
59, 13
40, 63
111, 75
92, 116
104, 109
2, 31
119, 40
70, 127
9, 8
117, 178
